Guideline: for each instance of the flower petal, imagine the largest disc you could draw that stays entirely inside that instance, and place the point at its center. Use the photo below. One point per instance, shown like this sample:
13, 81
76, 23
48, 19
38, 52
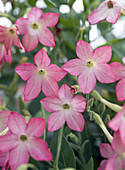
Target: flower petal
83, 50
39, 150
8, 56
111, 163
64, 93
3, 159
36, 127
74, 67
106, 150
78, 103
34, 14
3, 119
49, 19
41, 59
103, 54
16, 123
46, 37
55, 121
120, 90
22, 23
75, 121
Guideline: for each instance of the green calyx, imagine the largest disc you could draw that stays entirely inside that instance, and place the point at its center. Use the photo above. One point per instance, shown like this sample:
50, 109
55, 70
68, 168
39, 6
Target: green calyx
35, 26
90, 64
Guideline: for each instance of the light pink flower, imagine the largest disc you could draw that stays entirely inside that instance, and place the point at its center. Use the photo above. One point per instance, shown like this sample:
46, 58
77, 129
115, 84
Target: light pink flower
90, 66
65, 107
119, 72
9, 36
3, 119
109, 10
34, 28
43, 77
4, 160
24, 140
118, 123
115, 154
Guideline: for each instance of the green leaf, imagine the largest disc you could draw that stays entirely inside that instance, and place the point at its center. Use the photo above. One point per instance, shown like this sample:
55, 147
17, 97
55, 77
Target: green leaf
90, 165
21, 105
32, 2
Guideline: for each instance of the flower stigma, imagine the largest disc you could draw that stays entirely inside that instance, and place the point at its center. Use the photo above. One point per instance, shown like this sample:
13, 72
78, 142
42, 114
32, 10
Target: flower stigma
66, 106
110, 4
90, 64
23, 138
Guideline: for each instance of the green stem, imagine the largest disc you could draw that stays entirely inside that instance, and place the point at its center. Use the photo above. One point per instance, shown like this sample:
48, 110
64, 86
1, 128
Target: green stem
4, 87
43, 116
58, 148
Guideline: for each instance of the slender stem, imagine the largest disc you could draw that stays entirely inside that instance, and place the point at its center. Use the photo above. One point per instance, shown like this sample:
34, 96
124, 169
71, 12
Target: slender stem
43, 116
58, 148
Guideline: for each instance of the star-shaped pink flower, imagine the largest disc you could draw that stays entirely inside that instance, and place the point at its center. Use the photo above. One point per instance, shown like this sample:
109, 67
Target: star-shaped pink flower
91, 66
34, 28
9, 36
23, 140
65, 108
119, 72
109, 10
43, 77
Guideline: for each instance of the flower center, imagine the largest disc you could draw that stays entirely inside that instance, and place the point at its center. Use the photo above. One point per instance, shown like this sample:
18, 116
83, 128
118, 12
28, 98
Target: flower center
11, 31
66, 106
23, 138
90, 64
41, 72
110, 4
35, 26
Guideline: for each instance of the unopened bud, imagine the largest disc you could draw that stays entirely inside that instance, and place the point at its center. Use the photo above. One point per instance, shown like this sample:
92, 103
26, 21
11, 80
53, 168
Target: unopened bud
101, 108
73, 137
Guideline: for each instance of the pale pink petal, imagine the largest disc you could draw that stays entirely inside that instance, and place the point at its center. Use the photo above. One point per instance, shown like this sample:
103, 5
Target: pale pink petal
118, 70
120, 90
16, 41
74, 67
55, 121
123, 60
26, 70
46, 37
104, 74
41, 59
29, 41
2, 37
78, 103
2, 28
2, 51
56, 72
8, 41
3, 119
118, 164
110, 165
64, 93
106, 150
8, 56
87, 81
49, 19
115, 123
22, 23
17, 156
8, 142
16, 123
51, 103
83, 50
102, 165
75, 121
34, 14
103, 54
99, 14
122, 131
36, 127
3, 158
49, 86
33, 87
114, 13
39, 150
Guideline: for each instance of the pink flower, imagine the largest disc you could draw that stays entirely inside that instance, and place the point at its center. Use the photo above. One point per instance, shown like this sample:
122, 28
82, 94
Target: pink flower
3, 119
43, 77
65, 107
90, 66
34, 28
24, 140
4, 160
109, 10
118, 123
9, 36
119, 72
115, 154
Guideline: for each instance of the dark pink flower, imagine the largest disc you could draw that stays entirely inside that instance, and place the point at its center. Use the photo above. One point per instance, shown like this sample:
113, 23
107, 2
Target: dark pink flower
119, 72
34, 28
23, 140
9, 36
115, 154
109, 10
91, 66
65, 108
43, 77
3, 119
118, 123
